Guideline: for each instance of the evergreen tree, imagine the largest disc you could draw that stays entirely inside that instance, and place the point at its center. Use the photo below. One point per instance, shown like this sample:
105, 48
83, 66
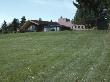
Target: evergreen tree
15, 25
89, 10
10, 28
40, 19
23, 20
4, 27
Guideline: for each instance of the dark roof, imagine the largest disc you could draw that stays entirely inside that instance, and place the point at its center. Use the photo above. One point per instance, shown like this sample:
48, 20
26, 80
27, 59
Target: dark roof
40, 22
47, 23
37, 22
53, 23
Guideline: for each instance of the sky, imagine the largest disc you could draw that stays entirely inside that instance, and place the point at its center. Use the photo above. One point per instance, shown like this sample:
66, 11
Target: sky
35, 9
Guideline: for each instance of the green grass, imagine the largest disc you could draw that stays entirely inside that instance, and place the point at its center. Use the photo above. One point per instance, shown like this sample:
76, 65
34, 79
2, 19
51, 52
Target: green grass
69, 56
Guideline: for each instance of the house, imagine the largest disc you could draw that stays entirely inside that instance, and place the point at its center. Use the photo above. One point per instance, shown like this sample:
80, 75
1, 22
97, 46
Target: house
78, 27
52, 26
68, 24
30, 26
65, 22
40, 26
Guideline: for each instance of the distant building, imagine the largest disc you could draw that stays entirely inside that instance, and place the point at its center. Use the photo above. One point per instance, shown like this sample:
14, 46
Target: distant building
41, 26
70, 24
65, 22
45, 26
78, 27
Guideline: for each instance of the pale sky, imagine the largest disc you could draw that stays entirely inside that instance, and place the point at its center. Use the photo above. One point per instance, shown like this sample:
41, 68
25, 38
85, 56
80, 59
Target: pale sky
35, 9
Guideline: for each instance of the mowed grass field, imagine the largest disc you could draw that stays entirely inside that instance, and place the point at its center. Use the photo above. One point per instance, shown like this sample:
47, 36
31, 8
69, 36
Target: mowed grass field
69, 56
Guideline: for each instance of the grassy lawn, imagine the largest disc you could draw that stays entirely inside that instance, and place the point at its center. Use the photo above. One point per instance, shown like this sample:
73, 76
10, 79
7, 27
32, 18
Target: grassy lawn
69, 56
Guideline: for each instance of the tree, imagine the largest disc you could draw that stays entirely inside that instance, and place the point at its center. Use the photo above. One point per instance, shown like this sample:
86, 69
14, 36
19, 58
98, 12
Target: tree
40, 19
15, 25
89, 10
23, 20
4, 27
10, 26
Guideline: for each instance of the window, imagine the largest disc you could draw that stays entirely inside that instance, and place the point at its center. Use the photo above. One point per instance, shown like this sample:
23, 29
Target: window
82, 27
32, 28
78, 26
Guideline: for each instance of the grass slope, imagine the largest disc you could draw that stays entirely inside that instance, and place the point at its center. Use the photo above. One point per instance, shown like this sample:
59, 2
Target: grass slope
78, 56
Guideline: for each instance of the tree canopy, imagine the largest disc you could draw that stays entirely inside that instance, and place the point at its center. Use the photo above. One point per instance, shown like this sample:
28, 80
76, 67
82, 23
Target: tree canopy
89, 10
23, 20
4, 27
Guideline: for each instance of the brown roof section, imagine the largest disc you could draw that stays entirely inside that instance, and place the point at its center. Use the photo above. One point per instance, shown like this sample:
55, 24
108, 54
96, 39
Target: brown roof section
28, 24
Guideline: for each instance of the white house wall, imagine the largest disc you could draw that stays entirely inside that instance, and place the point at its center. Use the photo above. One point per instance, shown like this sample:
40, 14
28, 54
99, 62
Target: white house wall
63, 21
49, 29
32, 28
78, 27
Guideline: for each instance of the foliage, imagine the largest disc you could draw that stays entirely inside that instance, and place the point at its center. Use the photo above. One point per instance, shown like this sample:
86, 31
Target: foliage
4, 27
52, 30
15, 25
23, 20
89, 10
40, 19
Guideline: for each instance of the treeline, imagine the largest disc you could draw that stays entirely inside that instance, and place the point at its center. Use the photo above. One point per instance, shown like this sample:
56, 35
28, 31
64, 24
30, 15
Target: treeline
13, 27
89, 10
